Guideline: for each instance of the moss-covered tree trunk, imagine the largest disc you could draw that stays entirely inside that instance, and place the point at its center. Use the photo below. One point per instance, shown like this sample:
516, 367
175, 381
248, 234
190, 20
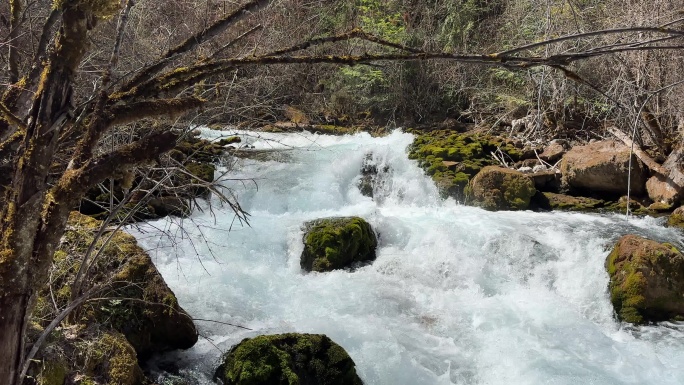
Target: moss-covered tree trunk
30, 228
34, 214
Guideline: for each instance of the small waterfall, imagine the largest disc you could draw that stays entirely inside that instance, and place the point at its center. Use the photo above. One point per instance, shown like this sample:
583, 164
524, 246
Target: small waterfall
457, 295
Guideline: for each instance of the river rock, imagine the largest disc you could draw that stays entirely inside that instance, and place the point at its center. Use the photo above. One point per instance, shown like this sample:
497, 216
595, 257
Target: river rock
602, 167
646, 280
337, 243
169, 205
661, 190
676, 219
287, 359
138, 302
553, 152
452, 159
77, 355
552, 201
498, 188
546, 180
372, 178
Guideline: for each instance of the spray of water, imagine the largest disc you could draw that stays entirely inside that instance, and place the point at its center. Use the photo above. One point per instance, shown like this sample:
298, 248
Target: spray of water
457, 295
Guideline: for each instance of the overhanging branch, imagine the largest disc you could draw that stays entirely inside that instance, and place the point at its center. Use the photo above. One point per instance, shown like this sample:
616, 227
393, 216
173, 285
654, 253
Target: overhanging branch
193, 41
131, 112
105, 166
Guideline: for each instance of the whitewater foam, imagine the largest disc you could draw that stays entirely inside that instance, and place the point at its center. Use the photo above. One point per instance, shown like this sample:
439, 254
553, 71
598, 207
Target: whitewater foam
457, 295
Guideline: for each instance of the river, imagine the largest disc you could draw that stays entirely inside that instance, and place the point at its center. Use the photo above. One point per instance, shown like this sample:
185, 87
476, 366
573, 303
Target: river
457, 295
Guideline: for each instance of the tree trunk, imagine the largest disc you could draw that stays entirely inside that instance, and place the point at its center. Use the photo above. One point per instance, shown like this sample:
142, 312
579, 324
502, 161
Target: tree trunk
33, 220
11, 333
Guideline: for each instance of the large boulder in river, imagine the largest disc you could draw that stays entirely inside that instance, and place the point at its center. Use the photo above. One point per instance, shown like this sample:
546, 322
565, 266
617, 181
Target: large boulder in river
136, 301
498, 188
646, 280
337, 243
287, 359
603, 167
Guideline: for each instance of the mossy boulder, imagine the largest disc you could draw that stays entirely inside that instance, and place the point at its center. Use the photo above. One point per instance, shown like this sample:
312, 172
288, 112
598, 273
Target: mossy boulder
138, 302
552, 201
453, 158
203, 171
676, 219
288, 359
337, 243
201, 150
87, 355
498, 188
646, 280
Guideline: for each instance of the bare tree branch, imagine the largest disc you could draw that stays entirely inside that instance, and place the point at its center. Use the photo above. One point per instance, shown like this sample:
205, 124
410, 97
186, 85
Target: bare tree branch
195, 40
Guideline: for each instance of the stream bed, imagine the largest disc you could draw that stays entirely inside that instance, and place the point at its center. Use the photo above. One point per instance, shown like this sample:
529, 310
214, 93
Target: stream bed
457, 295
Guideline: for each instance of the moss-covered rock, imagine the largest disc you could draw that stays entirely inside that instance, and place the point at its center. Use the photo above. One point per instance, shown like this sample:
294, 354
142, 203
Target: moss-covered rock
87, 355
200, 150
288, 359
452, 158
498, 188
203, 171
229, 140
646, 280
117, 357
569, 203
636, 206
139, 304
676, 219
337, 243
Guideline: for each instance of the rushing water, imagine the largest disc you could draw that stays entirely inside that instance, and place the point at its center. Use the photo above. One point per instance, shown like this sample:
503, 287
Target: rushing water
457, 295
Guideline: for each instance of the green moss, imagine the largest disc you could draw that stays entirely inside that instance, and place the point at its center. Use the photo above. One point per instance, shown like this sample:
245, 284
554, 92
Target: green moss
676, 219
496, 188
229, 140
139, 303
470, 151
336, 243
53, 372
288, 359
570, 203
203, 171
122, 361
646, 280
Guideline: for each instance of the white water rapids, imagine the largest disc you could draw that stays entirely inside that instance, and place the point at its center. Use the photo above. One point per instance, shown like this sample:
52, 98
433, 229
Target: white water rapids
457, 295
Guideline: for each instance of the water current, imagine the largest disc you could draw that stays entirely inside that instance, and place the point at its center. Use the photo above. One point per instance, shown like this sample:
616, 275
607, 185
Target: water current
457, 295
